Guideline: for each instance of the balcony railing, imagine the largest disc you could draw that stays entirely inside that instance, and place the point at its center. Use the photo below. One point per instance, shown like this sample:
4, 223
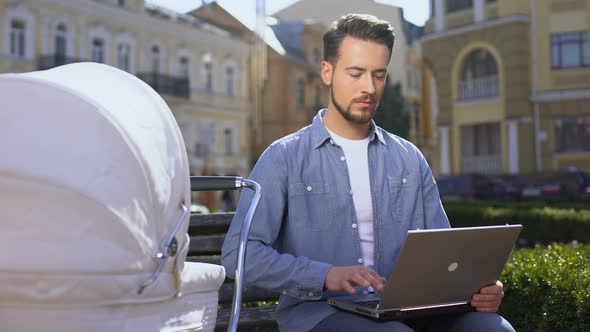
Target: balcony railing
491, 164
166, 84
54, 60
485, 87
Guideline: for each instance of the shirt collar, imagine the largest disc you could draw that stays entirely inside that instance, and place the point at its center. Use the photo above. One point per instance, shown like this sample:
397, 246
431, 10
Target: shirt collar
320, 134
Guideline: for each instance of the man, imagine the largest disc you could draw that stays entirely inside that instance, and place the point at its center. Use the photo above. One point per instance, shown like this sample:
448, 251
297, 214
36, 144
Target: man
338, 198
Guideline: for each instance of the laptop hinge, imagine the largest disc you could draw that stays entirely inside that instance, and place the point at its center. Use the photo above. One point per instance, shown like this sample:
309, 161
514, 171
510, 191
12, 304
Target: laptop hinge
424, 307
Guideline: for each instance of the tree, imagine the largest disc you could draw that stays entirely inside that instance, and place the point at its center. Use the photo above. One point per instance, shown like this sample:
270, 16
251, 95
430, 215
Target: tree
392, 114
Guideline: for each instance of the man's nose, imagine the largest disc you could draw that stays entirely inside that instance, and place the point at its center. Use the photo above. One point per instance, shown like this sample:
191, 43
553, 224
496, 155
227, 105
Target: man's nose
369, 86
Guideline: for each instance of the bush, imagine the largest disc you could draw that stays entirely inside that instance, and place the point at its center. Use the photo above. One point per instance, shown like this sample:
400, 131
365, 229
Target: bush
541, 224
548, 289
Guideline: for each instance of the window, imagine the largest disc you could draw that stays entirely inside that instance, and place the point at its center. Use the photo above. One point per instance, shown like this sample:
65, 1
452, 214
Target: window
570, 50
230, 81
318, 97
228, 140
124, 56
184, 67
317, 55
481, 140
17, 38
416, 109
97, 54
155, 59
208, 76
61, 32
479, 76
572, 134
457, 5
300, 93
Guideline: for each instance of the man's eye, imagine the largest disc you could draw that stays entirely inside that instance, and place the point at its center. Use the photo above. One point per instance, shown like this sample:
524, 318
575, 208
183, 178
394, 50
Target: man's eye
380, 77
355, 75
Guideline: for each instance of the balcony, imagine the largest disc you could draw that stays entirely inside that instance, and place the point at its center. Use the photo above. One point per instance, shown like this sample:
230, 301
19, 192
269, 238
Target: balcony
479, 88
166, 84
487, 164
54, 60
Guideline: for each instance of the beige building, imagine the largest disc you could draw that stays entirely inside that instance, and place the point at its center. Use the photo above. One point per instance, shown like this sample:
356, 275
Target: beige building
510, 84
200, 70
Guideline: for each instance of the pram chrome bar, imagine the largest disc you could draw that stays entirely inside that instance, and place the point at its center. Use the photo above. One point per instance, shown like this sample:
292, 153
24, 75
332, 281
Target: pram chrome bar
237, 301
170, 249
205, 183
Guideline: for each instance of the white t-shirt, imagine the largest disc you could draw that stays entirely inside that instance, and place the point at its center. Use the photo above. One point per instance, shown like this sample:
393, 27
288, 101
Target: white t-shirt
357, 160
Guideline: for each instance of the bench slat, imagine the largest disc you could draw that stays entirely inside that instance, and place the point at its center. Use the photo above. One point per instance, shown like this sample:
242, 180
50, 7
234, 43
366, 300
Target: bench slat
249, 294
210, 223
251, 316
205, 244
205, 259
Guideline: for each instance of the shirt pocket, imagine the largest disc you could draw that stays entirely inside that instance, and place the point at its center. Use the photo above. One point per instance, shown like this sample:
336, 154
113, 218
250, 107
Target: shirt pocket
311, 206
404, 199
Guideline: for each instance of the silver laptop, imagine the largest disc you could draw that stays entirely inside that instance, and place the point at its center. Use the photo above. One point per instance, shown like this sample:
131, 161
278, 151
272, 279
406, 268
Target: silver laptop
437, 271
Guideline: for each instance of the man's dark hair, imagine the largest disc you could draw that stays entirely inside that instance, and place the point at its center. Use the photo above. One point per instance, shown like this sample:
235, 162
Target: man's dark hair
360, 26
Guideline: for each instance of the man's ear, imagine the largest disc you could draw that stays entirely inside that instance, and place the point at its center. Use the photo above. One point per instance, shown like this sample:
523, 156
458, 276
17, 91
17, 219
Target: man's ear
326, 72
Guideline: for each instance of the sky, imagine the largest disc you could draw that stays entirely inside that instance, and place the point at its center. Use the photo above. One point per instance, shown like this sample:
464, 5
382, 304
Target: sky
415, 11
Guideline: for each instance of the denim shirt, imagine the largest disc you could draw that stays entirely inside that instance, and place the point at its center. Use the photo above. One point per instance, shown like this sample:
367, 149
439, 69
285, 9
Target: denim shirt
305, 222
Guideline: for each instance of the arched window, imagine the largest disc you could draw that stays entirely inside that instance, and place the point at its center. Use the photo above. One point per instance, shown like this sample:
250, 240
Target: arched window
155, 63
61, 40
124, 56
300, 92
17, 38
207, 73
98, 50
479, 76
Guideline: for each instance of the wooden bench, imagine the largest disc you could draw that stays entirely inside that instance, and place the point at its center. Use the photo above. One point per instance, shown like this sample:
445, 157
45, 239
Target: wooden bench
207, 232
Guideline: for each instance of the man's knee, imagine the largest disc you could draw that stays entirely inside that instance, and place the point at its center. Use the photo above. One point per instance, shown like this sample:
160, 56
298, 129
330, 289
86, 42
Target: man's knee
482, 321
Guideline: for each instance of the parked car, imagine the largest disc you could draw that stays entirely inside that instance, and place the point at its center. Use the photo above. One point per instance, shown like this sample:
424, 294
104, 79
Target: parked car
473, 186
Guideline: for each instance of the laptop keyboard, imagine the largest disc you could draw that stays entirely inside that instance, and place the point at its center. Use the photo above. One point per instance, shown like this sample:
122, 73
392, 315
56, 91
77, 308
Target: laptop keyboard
369, 304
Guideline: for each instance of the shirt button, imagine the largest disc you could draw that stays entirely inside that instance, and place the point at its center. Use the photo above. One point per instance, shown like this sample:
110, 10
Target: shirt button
310, 294
404, 180
309, 188
285, 292
342, 158
332, 141
354, 226
350, 192
360, 261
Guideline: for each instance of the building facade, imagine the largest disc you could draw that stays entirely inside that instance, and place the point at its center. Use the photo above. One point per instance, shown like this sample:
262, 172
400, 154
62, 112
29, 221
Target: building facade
510, 84
200, 70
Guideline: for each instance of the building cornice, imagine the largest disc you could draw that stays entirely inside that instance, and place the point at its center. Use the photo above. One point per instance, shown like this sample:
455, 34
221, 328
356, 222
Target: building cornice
147, 23
477, 26
561, 95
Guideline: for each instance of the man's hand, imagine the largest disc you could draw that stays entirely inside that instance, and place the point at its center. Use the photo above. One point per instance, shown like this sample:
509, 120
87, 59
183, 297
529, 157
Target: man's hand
489, 298
345, 278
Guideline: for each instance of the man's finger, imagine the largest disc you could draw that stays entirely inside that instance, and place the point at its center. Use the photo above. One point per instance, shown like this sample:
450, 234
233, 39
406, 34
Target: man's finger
486, 298
348, 287
359, 280
493, 289
375, 282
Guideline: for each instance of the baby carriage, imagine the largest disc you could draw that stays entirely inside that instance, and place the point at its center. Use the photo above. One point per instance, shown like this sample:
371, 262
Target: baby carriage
94, 197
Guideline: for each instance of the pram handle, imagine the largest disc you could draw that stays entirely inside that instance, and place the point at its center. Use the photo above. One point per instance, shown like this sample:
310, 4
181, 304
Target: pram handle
210, 183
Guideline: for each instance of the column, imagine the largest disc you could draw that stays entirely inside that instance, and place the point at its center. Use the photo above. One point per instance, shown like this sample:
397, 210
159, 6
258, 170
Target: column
513, 162
445, 151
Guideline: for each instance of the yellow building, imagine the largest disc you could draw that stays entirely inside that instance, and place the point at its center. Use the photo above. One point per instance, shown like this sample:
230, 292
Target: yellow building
200, 70
510, 84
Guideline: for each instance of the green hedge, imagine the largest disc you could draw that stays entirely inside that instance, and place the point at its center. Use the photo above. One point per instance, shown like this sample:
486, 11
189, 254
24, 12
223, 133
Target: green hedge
541, 224
548, 288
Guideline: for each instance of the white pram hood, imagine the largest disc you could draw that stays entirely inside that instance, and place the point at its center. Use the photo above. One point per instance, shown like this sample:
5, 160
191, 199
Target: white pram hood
93, 171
